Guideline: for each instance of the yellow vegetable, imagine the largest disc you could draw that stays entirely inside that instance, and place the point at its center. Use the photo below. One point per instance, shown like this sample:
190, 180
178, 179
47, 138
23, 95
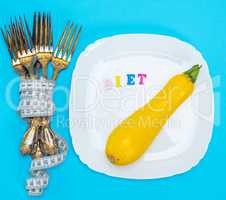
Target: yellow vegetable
132, 137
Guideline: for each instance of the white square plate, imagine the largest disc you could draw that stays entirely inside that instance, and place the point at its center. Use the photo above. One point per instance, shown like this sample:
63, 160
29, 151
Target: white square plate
97, 105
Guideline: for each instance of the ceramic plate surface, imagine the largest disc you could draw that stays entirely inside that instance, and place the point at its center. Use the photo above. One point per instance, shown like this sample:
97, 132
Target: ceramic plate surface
97, 104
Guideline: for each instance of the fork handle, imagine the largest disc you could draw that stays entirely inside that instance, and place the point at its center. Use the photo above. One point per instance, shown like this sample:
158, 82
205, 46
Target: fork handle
55, 74
30, 69
44, 72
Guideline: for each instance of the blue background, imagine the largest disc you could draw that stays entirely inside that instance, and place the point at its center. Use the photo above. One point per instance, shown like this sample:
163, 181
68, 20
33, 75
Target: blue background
199, 22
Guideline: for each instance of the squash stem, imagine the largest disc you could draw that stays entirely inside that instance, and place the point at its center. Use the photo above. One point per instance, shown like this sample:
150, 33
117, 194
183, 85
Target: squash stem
193, 72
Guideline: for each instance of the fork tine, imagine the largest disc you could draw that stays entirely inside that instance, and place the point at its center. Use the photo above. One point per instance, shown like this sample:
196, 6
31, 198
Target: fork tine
34, 29
5, 37
29, 33
62, 49
7, 42
61, 39
41, 31
46, 30
11, 42
19, 36
23, 34
10, 30
75, 44
24, 37
70, 42
38, 30
14, 37
50, 31
13, 34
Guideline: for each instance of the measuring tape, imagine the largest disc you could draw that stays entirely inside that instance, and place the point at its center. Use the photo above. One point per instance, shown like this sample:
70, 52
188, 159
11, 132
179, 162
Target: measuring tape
38, 170
36, 101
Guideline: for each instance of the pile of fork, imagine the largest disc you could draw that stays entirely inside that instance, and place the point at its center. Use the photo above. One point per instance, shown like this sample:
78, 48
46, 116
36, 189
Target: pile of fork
31, 53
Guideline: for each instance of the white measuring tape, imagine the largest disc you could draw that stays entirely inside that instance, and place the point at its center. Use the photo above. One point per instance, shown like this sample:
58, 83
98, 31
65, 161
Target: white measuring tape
39, 176
36, 101
36, 98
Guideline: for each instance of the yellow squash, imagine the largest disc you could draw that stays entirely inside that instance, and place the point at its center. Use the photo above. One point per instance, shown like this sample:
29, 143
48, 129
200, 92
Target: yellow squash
132, 137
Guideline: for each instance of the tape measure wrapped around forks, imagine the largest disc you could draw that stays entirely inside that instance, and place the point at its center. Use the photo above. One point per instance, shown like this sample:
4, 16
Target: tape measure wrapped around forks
36, 98
31, 53
36, 106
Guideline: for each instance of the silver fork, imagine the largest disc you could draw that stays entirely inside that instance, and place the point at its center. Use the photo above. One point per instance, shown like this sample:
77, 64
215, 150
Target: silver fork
65, 48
